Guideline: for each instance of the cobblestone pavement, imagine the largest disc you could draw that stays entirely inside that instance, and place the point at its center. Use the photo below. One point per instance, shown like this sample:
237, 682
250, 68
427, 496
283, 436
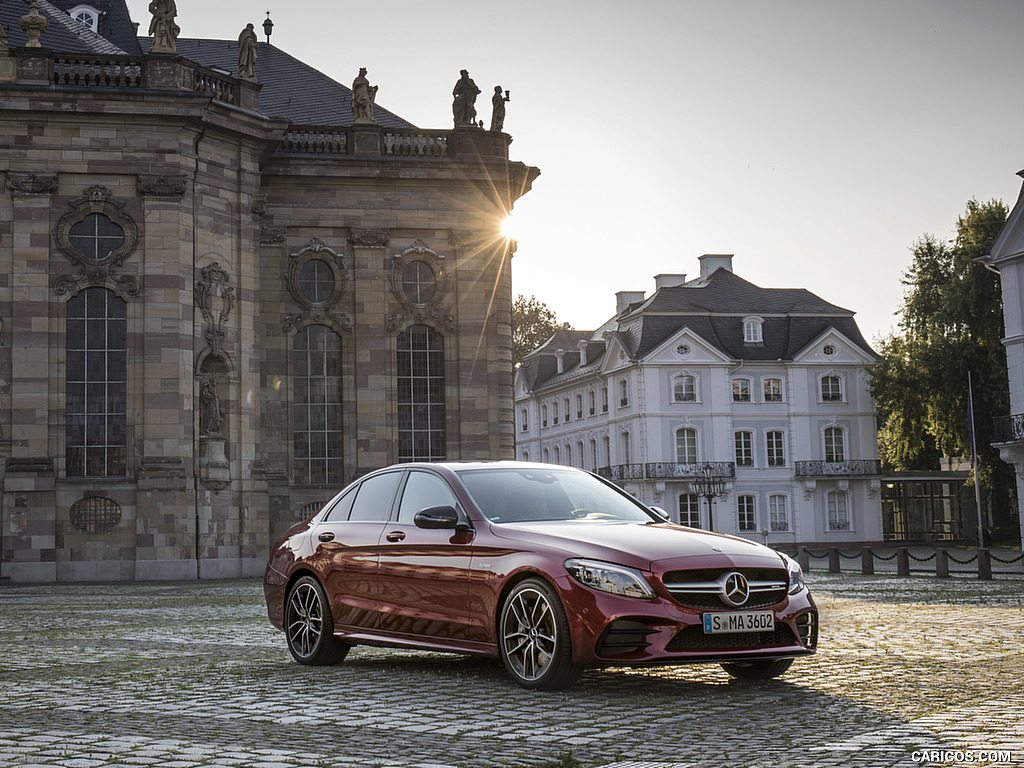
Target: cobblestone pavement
913, 671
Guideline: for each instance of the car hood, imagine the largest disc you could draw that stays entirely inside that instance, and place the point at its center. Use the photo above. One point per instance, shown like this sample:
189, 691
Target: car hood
640, 545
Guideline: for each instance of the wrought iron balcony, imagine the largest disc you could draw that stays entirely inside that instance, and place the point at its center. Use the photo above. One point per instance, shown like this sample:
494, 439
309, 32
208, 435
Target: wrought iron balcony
669, 470
850, 468
619, 472
1008, 429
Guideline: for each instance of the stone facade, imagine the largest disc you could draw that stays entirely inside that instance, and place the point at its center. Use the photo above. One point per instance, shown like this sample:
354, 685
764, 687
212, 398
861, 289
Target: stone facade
220, 207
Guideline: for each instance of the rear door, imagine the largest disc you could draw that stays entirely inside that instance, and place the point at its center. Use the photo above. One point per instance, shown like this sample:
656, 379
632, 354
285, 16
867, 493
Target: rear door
347, 546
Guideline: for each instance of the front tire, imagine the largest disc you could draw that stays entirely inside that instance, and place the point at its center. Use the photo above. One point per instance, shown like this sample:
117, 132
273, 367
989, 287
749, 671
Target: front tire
309, 626
534, 638
762, 669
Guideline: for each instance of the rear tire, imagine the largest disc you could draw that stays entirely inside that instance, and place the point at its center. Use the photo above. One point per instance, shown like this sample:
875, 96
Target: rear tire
534, 638
309, 625
763, 669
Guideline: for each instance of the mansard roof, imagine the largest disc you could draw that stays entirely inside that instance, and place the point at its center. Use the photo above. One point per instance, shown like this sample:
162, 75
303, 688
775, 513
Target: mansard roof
291, 90
115, 35
712, 308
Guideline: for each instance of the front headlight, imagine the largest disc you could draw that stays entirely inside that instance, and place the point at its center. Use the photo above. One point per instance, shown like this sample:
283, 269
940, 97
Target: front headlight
796, 574
606, 577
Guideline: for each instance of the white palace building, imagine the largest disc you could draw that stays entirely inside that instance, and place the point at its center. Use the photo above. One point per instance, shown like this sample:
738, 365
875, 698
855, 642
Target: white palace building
733, 407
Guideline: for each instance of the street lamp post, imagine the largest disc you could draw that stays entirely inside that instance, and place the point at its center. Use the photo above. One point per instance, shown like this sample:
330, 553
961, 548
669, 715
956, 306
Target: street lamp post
709, 485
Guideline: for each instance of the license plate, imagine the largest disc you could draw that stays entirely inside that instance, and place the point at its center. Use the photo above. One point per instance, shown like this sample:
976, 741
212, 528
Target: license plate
738, 621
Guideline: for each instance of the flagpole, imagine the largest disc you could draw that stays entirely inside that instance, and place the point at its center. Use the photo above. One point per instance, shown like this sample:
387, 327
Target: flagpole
974, 458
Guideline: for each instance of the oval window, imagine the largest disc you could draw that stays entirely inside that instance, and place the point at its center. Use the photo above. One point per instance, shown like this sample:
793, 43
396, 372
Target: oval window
95, 515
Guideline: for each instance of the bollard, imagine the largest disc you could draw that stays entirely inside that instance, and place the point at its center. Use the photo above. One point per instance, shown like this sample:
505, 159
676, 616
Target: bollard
902, 562
803, 558
984, 565
941, 563
867, 561
833, 560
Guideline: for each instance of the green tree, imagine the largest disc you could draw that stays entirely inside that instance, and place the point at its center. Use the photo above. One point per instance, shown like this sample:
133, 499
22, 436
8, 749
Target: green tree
950, 325
532, 325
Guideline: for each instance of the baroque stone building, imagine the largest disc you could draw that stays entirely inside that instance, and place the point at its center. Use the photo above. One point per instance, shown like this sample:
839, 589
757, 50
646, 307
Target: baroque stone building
730, 406
222, 296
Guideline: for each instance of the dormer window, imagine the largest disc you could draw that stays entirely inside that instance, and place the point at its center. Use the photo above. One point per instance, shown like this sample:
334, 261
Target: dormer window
752, 330
87, 15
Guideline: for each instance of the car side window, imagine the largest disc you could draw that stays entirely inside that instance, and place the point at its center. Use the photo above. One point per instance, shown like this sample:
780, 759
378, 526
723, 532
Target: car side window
423, 490
374, 498
340, 509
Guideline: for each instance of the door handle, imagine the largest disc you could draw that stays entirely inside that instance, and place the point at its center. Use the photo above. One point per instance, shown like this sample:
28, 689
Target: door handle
326, 536
396, 536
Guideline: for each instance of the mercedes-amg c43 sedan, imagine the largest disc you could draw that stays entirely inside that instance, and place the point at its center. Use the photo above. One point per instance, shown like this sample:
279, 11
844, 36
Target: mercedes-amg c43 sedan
552, 569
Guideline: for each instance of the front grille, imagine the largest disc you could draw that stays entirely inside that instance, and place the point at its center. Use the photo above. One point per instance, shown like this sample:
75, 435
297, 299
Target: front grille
693, 639
699, 588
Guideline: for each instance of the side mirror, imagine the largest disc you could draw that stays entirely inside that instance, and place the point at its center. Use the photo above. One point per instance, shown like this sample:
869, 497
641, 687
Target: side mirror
440, 518
661, 513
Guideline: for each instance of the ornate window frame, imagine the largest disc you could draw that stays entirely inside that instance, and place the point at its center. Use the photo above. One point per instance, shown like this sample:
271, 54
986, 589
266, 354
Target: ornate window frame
434, 311
322, 312
87, 272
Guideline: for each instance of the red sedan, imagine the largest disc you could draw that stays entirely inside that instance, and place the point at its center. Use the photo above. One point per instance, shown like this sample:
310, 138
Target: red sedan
552, 569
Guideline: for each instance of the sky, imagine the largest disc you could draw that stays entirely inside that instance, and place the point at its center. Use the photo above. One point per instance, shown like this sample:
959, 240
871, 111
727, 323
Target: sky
816, 140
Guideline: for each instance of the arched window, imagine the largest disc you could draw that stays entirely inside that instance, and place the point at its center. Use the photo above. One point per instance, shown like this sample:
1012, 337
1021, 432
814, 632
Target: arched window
579, 405
835, 444
743, 443
746, 516
776, 448
741, 390
421, 395
544, 415
689, 510
752, 330
525, 420
778, 512
604, 399
627, 449
594, 459
831, 389
317, 406
684, 389
773, 390
686, 446
623, 393
96, 385
838, 511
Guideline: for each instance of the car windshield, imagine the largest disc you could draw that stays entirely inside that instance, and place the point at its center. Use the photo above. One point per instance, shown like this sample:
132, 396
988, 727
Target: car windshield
509, 495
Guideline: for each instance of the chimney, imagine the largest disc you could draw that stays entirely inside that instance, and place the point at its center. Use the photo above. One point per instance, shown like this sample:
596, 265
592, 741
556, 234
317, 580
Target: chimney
624, 298
559, 354
668, 281
709, 262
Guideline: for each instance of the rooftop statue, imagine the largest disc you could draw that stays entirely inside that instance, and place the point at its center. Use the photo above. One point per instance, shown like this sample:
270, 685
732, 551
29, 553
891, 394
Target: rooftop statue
364, 96
498, 109
3, 38
464, 104
162, 27
33, 24
247, 55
